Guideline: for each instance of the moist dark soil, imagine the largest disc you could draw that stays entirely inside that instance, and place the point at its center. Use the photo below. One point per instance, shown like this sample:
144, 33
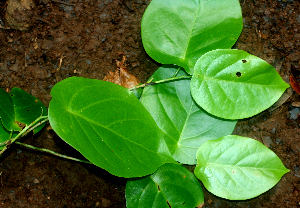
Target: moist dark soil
84, 38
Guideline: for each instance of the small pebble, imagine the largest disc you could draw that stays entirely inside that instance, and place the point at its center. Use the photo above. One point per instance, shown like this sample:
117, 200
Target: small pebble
88, 62
296, 104
36, 181
267, 141
273, 130
294, 113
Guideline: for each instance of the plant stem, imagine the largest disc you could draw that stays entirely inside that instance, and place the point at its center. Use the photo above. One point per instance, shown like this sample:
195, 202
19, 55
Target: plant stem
30, 127
178, 70
25, 131
53, 153
160, 81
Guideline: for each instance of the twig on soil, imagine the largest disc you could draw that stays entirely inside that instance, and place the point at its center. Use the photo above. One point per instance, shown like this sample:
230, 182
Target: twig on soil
42, 20
1, 179
25, 59
3, 7
62, 2
60, 62
5, 28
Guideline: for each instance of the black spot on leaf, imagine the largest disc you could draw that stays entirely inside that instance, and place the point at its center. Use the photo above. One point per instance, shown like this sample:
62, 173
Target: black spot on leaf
238, 74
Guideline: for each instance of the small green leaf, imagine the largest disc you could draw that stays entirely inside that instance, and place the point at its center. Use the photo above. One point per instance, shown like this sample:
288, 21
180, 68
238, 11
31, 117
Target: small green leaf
4, 136
27, 107
185, 124
107, 124
233, 84
7, 113
179, 32
238, 168
170, 186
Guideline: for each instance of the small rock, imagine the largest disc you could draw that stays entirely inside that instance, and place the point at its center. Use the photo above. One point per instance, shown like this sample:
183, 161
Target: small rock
35, 181
105, 202
267, 141
273, 130
296, 104
294, 113
297, 171
88, 62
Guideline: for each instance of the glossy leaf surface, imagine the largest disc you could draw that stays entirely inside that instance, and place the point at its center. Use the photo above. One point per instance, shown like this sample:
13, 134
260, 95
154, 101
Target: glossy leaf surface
27, 107
179, 32
170, 186
107, 124
238, 168
7, 113
185, 124
233, 84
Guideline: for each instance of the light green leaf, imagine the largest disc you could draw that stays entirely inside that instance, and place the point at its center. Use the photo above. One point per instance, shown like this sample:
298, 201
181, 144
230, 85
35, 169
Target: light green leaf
233, 84
107, 124
7, 113
170, 186
238, 168
185, 124
179, 32
27, 108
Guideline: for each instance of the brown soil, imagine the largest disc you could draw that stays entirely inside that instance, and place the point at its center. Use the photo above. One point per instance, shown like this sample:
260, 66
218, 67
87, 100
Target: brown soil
85, 37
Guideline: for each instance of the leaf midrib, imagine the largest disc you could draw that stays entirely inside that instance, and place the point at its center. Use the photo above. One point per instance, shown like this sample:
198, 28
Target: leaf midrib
113, 132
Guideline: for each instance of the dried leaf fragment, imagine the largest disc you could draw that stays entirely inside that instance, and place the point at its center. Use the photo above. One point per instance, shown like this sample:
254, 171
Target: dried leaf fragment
121, 76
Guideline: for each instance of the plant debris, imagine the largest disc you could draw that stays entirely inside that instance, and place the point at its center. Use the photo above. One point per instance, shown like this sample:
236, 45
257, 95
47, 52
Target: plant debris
121, 76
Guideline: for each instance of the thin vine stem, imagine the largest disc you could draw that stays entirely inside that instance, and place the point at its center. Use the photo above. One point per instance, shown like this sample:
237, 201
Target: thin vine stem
160, 81
39, 121
30, 127
53, 153
178, 70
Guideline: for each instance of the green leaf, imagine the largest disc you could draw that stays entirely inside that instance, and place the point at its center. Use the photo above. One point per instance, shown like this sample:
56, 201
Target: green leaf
185, 124
4, 136
27, 107
170, 186
238, 168
233, 84
7, 113
179, 32
107, 124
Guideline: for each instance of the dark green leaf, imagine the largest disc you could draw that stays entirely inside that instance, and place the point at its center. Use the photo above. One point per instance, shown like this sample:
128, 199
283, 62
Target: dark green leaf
170, 186
4, 136
7, 113
27, 107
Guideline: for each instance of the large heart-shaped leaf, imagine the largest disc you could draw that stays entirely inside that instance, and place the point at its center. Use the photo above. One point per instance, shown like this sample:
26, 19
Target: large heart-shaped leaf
233, 84
7, 113
185, 124
27, 108
238, 168
179, 32
170, 186
108, 125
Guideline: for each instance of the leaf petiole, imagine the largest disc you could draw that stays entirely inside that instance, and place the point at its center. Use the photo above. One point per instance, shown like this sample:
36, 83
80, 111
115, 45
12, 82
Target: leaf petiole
160, 81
